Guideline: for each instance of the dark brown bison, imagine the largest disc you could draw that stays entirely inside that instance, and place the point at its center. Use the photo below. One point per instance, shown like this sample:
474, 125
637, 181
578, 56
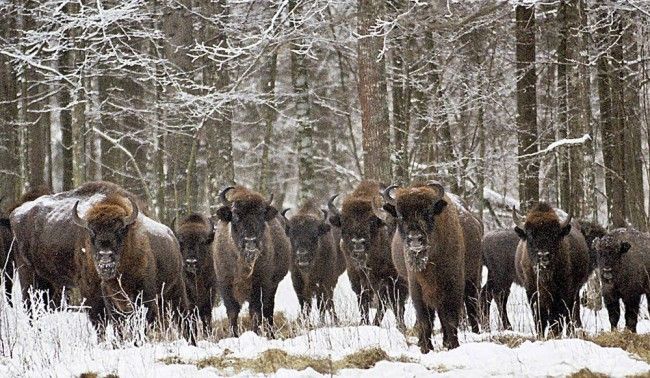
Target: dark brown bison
44, 259
125, 258
552, 262
6, 236
591, 231
195, 234
365, 242
624, 264
430, 248
499, 250
317, 260
251, 253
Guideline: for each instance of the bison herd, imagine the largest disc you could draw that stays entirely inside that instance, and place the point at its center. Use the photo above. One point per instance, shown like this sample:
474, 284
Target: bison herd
419, 241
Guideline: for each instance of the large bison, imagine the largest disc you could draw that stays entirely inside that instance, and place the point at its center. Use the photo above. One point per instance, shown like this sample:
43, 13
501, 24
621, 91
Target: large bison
252, 254
624, 264
123, 258
195, 235
6, 236
499, 250
317, 260
552, 262
44, 259
365, 241
437, 246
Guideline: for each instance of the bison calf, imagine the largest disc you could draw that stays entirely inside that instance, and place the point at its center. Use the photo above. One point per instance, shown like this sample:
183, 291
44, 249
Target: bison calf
552, 263
252, 254
317, 261
624, 262
195, 234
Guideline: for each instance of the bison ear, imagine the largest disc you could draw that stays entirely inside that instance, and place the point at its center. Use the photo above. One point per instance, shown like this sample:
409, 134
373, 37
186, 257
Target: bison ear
390, 209
439, 207
210, 237
521, 233
4, 222
224, 214
271, 212
566, 230
625, 246
323, 229
335, 220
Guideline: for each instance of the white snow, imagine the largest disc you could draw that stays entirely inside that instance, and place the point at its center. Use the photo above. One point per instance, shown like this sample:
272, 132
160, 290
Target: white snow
63, 344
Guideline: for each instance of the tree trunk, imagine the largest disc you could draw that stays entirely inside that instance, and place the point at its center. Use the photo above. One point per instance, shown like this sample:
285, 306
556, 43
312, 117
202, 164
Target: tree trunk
401, 116
373, 96
528, 169
268, 75
305, 138
9, 147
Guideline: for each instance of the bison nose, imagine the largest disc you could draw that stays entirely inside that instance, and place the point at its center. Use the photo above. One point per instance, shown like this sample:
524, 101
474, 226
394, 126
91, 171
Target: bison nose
190, 261
606, 274
105, 255
250, 243
544, 258
358, 244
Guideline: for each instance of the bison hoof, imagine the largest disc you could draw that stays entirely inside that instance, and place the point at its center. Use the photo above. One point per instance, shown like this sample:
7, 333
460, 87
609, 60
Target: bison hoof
452, 344
425, 345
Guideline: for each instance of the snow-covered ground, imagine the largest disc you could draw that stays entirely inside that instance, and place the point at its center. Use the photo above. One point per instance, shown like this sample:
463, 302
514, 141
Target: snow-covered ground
65, 344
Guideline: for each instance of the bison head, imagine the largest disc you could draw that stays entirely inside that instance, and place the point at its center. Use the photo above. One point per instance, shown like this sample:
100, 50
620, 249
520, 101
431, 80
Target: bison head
609, 251
107, 225
306, 232
247, 212
360, 226
195, 236
416, 209
543, 233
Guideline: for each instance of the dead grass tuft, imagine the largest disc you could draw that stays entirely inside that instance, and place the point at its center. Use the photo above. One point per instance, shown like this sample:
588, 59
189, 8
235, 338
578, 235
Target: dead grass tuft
586, 373
626, 340
511, 341
273, 359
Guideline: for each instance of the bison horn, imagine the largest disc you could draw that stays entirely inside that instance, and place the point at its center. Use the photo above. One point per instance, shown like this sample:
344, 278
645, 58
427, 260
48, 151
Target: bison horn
324, 214
270, 201
284, 212
173, 224
566, 222
331, 207
386, 195
222, 195
438, 187
515, 218
77, 219
134, 214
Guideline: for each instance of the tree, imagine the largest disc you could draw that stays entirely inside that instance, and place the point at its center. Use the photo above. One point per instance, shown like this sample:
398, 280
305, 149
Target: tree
528, 168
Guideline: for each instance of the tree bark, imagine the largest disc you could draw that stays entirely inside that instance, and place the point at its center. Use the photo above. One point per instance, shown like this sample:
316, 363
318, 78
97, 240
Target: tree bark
9, 143
373, 94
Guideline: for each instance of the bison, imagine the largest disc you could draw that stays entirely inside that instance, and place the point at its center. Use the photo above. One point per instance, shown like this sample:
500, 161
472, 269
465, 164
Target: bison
252, 254
195, 234
43, 258
624, 262
124, 256
437, 246
317, 260
552, 262
499, 249
365, 242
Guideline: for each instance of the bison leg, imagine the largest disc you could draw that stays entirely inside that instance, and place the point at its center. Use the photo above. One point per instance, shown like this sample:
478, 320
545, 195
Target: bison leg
614, 312
485, 299
255, 307
268, 306
425, 317
449, 314
364, 298
328, 304
502, 304
232, 309
632, 312
471, 305
205, 312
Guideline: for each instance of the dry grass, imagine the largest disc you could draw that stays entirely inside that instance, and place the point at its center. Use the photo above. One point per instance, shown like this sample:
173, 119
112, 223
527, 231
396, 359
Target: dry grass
273, 359
95, 375
283, 327
511, 341
626, 340
586, 373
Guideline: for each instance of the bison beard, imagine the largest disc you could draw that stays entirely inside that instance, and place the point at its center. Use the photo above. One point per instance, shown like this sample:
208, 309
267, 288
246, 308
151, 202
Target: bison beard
366, 246
251, 253
552, 263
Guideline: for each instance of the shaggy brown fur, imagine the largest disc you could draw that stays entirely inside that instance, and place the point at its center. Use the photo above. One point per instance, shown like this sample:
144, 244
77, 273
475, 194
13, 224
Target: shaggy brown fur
147, 262
44, 259
252, 255
365, 241
499, 250
430, 245
624, 263
317, 260
552, 262
591, 231
195, 234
